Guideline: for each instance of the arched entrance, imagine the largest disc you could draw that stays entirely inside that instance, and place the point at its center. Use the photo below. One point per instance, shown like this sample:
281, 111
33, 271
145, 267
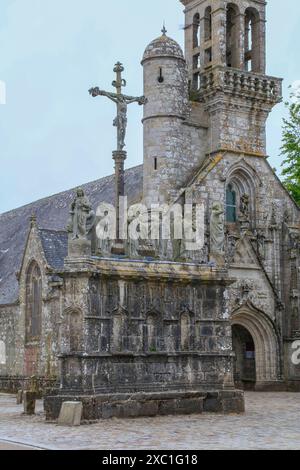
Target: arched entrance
256, 346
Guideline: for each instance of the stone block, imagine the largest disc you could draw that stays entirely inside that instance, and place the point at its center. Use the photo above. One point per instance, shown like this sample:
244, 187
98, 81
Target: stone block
29, 400
70, 413
20, 397
79, 248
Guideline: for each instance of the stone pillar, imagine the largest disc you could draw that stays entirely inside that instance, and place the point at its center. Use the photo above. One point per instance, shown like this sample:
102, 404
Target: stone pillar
29, 402
262, 48
119, 156
219, 34
241, 41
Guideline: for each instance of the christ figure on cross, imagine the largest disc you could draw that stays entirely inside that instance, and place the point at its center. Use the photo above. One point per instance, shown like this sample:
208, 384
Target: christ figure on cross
122, 102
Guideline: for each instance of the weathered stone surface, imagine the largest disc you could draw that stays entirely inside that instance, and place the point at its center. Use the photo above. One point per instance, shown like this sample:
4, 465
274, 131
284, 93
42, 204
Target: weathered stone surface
79, 248
150, 404
29, 400
70, 414
119, 321
271, 422
20, 397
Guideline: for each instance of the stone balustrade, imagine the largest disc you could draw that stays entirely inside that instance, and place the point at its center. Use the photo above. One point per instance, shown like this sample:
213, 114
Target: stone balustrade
239, 82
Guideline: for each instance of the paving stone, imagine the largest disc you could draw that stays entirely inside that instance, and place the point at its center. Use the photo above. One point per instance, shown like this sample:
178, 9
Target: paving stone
271, 422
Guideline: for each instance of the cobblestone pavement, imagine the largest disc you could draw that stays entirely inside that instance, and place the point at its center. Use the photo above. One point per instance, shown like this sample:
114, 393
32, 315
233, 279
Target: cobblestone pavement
272, 421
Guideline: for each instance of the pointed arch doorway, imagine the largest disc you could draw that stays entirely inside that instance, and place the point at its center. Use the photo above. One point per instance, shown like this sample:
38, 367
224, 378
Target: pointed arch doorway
255, 343
245, 360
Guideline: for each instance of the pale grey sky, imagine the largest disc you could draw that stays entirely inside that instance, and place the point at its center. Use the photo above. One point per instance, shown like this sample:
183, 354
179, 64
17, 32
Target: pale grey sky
53, 136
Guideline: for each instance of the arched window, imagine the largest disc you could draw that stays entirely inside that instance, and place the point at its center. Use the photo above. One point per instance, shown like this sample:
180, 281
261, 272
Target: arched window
33, 302
196, 30
242, 182
231, 204
252, 41
208, 24
232, 36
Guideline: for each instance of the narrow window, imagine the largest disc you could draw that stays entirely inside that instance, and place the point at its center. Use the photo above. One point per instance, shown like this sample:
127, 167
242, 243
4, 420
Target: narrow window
252, 41
208, 56
232, 37
155, 163
160, 78
196, 62
231, 204
33, 302
196, 81
208, 24
196, 31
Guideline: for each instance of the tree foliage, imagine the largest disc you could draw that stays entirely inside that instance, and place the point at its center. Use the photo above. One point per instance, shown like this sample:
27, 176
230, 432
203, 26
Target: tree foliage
291, 147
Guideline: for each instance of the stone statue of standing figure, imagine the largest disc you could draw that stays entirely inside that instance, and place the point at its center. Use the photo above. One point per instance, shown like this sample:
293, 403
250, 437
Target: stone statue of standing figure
217, 236
244, 207
82, 216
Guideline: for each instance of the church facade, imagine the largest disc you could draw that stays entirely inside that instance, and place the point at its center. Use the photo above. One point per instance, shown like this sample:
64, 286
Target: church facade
154, 327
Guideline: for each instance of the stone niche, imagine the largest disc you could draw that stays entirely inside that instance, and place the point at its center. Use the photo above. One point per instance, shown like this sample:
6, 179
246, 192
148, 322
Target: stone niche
156, 340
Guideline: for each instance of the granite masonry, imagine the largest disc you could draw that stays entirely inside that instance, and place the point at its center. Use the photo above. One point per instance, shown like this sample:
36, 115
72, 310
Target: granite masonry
158, 328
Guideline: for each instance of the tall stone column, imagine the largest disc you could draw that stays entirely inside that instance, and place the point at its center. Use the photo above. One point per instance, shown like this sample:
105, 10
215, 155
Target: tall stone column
219, 33
119, 157
241, 41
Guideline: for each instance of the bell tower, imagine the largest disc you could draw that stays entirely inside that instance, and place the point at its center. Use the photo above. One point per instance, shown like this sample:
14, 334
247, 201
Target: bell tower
225, 49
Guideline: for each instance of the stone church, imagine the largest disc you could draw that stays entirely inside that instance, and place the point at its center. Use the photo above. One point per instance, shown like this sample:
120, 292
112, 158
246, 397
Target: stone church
157, 328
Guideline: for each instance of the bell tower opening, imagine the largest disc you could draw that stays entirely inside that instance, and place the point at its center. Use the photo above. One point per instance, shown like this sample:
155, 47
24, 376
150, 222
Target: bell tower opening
232, 36
225, 44
252, 41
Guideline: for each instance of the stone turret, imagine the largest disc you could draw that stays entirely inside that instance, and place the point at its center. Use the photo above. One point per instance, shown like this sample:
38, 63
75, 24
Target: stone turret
166, 91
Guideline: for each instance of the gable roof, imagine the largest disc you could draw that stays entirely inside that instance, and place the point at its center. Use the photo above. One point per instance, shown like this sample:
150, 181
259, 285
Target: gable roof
52, 216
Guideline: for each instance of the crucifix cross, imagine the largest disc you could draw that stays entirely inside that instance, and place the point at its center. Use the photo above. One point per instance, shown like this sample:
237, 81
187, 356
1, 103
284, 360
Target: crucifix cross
122, 102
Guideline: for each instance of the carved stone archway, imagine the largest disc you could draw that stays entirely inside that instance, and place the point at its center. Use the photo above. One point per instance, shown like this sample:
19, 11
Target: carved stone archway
265, 338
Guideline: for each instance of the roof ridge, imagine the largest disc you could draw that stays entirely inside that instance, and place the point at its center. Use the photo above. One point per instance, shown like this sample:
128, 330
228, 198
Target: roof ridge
41, 229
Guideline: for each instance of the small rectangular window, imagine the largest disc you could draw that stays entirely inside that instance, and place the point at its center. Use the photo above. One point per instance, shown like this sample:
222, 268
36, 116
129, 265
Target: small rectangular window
196, 61
208, 56
155, 163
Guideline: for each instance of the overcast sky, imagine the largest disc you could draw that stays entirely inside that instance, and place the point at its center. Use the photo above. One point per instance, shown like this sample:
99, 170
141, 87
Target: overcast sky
53, 135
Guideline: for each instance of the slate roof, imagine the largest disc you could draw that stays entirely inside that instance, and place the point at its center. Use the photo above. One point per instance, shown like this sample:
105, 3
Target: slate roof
52, 215
55, 246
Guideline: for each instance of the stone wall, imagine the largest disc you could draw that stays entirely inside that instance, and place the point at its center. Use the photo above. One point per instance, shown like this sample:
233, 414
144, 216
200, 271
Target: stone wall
8, 349
144, 328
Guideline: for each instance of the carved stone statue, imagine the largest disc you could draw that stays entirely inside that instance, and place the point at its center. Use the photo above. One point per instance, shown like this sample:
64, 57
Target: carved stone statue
138, 233
217, 236
122, 102
82, 216
105, 223
261, 245
244, 207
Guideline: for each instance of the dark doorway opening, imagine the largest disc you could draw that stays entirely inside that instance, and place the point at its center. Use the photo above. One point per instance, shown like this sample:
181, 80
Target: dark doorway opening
244, 363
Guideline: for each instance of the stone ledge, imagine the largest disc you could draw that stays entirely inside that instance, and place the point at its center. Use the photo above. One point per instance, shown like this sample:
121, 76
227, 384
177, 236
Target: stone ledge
149, 404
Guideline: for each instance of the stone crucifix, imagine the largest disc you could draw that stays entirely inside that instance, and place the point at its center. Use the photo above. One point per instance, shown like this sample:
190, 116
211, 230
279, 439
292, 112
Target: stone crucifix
122, 102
